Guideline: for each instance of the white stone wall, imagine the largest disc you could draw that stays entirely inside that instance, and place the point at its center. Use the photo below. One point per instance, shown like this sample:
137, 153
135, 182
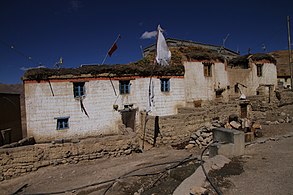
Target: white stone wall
42, 107
200, 87
165, 103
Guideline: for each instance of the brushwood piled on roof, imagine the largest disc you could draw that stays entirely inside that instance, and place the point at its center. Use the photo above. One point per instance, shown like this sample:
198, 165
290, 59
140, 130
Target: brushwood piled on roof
146, 67
243, 61
143, 67
188, 53
176, 43
200, 54
134, 69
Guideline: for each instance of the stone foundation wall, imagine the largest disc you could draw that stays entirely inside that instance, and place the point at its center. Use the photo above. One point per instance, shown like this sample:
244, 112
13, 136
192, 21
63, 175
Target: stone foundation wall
276, 99
178, 128
286, 97
20, 160
263, 106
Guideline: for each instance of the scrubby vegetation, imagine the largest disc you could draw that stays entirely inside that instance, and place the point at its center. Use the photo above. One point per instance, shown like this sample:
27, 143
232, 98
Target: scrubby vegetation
201, 54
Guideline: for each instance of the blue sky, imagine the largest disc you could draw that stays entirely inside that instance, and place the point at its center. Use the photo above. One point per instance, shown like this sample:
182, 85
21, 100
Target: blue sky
83, 31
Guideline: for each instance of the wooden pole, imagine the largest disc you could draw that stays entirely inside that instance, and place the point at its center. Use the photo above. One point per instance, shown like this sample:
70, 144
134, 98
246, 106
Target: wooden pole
289, 50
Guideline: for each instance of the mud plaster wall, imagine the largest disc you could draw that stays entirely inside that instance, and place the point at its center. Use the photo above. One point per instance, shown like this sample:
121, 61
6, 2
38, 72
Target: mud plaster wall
200, 87
249, 78
20, 160
178, 128
42, 107
286, 97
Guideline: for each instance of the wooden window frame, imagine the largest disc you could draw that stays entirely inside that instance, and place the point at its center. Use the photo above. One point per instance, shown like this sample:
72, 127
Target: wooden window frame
165, 84
207, 69
124, 87
78, 89
62, 123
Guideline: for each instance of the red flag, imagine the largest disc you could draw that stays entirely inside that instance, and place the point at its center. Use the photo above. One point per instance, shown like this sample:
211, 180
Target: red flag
113, 48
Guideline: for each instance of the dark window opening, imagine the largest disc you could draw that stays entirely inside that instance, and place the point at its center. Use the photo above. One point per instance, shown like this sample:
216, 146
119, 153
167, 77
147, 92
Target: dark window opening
62, 123
79, 89
219, 92
124, 87
165, 85
259, 70
207, 68
236, 88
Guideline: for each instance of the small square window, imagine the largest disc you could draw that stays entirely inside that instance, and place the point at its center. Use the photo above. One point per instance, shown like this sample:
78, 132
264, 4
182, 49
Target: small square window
78, 89
62, 123
124, 87
165, 85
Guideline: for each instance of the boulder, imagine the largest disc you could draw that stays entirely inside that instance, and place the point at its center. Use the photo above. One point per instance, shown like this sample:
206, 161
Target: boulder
189, 146
198, 191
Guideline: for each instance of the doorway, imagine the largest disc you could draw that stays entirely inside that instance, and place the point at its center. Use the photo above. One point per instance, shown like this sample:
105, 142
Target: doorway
243, 110
128, 117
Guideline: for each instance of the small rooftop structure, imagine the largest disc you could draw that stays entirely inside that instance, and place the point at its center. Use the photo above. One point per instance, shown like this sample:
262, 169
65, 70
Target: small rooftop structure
227, 53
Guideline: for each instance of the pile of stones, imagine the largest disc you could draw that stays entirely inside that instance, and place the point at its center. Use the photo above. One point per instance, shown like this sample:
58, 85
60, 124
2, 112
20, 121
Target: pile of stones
204, 135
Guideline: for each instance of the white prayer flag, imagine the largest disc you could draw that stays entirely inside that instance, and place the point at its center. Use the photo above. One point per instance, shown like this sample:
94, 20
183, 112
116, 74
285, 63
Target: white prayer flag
151, 100
163, 52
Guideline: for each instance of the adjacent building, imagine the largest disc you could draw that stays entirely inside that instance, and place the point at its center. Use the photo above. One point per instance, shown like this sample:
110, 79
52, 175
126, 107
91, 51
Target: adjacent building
10, 118
283, 68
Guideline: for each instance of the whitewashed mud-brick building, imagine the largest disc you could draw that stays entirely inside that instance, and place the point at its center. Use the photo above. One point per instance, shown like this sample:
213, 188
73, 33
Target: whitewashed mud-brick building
99, 100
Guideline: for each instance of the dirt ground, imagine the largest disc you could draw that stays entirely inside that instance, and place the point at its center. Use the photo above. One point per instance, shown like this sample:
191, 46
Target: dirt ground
268, 169
161, 170
264, 169
122, 175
